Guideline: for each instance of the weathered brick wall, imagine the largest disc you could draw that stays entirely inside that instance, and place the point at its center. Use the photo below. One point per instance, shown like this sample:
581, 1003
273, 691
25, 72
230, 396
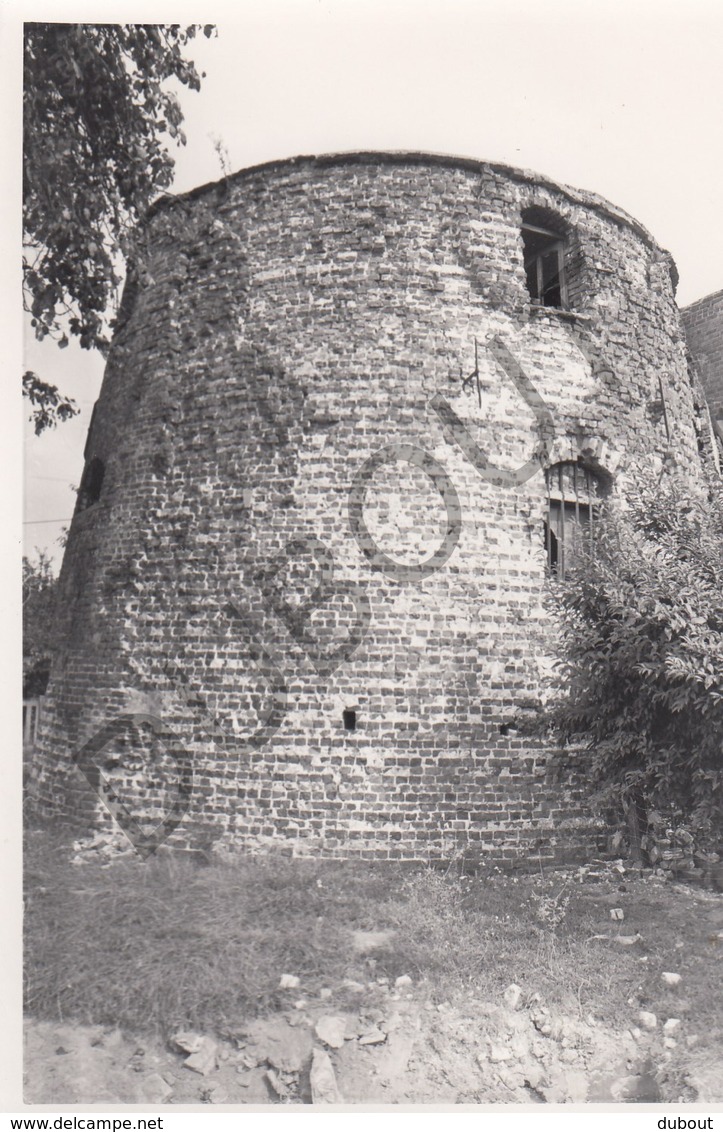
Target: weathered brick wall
286, 325
703, 324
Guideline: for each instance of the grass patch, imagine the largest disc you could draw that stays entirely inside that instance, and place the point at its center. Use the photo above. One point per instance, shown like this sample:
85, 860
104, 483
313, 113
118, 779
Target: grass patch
151, 946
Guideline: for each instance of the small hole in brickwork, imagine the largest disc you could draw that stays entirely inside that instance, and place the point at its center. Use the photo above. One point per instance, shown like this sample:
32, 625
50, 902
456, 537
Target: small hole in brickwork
508, 728
349, 720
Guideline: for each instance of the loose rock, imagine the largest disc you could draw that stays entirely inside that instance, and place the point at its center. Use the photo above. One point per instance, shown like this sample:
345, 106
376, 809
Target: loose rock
513, 996
366, 942
331, 1029
186, 1041
372, 1037
154, 1090
647, 1020
324, 1089
204, 1060
277, 1084
278, 1044
289, 982
670, 978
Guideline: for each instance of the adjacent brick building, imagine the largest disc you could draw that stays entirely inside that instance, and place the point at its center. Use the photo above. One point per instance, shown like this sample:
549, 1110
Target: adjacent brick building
356, 409
703, 324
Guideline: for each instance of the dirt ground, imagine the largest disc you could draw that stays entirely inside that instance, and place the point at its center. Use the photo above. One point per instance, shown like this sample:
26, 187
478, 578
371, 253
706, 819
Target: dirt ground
375, 1043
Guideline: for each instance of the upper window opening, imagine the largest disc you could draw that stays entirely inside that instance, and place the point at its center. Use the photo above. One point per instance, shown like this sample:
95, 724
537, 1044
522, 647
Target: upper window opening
544, 259
91, 484
574, 495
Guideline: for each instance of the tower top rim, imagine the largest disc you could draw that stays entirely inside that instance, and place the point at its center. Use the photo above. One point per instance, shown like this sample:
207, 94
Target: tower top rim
414, 157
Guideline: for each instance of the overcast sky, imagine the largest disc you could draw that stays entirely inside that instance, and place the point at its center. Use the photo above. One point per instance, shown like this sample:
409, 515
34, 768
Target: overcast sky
622, 98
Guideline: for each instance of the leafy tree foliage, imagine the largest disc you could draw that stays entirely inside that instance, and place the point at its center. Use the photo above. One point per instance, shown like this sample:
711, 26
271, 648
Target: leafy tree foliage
97, 116
49, 405
39, 590
642, 637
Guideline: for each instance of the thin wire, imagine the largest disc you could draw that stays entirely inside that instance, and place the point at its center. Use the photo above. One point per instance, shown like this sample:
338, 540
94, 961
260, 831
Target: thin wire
36, 522
51, 479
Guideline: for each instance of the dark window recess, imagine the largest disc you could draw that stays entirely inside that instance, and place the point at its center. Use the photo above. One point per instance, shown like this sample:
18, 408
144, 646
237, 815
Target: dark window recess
349, 720
91, 484
574, 494
544, 258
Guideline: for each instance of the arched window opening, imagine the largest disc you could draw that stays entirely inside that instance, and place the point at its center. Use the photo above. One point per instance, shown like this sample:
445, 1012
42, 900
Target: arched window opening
91, 484
544, 258
574, 495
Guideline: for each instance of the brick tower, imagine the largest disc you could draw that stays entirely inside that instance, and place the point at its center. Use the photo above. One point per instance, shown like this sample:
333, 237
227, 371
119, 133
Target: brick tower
356, 409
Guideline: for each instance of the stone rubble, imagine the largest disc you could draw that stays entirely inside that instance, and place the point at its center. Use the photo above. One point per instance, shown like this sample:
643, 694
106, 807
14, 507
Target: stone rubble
104, 847
500, 1052
324, 1089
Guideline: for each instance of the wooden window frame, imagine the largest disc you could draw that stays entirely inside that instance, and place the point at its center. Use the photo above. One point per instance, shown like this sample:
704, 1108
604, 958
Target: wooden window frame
556, 244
